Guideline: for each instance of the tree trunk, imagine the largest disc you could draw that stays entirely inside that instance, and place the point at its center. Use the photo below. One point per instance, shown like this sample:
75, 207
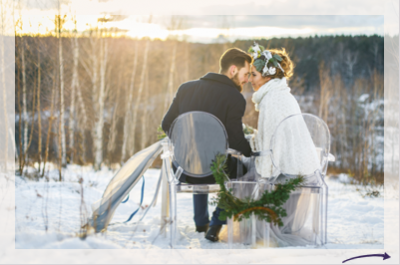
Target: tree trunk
114, 121
344, 134
95, 92
39, 115
20, 152
98, 139
24, 111
51, 118
74, 86
128, 106
33, 120
3, 74
325, 84
351, 60
187, 59
91, 68
144, 119
63, 150
138, 98
170, 89
83, 122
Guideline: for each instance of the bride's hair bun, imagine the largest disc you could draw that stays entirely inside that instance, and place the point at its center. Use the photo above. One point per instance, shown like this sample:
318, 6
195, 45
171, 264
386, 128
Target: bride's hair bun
286, 64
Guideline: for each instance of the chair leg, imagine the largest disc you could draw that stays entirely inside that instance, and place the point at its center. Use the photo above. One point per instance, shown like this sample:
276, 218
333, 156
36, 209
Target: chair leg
172, 208
229, 222
266, 226
165, 200
253, 231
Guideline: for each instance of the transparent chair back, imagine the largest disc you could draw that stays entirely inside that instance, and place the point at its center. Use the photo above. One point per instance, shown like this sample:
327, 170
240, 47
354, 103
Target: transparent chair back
299, 146
197, 137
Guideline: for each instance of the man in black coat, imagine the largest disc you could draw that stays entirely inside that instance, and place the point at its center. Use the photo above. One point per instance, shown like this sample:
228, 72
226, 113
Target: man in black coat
218, 94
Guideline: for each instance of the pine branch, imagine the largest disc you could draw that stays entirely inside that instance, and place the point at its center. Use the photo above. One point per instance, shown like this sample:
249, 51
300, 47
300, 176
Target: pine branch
268, 207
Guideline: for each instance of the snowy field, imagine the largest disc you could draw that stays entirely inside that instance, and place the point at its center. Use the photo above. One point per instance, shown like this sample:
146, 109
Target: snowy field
49, 214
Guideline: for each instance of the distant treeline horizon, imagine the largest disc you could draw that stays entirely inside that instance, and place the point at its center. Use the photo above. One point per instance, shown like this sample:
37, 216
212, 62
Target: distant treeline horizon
101, 99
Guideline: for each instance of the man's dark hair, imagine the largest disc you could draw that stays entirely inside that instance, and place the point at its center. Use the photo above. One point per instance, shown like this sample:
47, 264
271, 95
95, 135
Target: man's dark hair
233, 56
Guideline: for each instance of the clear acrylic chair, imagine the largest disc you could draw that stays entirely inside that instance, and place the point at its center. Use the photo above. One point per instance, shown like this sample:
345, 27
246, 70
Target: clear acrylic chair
299, 146
195, 138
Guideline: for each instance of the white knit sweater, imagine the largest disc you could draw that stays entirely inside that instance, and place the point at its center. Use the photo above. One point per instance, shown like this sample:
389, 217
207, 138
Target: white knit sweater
275, 102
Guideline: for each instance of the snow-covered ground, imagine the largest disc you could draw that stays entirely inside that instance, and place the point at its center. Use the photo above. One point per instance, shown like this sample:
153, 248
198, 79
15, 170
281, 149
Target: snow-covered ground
49, 214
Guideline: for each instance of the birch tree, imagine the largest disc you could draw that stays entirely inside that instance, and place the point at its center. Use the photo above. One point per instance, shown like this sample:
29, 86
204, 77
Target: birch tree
39, 113
139, 97
23, 114
24, 106
50, 120
144, 118
170, 89
128, 104
91, 68
18, 88
83, 122
3, 79
99, 123
63, 149
74, 87
175, 24
350, 61
114, 120
325, 94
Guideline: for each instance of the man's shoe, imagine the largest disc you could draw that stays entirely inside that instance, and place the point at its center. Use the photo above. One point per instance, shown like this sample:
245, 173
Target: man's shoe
202, 228
213, 233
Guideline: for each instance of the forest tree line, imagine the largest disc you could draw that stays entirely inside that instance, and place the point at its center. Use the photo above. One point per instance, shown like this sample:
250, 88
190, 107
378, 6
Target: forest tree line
98, 97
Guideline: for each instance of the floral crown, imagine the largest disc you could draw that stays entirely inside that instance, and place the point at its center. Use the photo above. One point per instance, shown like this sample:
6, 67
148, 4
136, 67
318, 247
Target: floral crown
261, 59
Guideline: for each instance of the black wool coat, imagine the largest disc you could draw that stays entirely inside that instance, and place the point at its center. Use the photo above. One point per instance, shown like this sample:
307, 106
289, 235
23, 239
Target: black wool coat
218, 95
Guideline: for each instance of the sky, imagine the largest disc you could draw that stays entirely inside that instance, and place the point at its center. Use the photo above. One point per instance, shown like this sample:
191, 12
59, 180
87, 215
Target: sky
207, 21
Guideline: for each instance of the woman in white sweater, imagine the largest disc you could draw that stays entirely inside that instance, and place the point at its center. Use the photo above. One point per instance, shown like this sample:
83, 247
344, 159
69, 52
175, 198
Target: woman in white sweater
295, 153
272, 98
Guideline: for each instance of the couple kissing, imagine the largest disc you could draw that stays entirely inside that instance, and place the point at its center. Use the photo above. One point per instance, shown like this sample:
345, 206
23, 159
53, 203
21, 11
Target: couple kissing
219, 94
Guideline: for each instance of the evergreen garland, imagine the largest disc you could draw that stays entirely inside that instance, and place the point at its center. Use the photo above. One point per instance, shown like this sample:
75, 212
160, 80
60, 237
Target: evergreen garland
160, 133
268, 207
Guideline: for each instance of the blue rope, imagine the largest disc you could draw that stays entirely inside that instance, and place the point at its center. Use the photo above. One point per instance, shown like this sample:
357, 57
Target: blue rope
127, 198
141, 201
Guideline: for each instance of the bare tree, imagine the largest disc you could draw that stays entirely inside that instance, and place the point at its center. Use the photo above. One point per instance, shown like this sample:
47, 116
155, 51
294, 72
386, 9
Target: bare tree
39, 113
145, 114
23, 113
3, 74
114, 120
74, 87
325, 94
59, 22
170, 89
32, 124
175, 24
63, 148
139, 95
50, 119
350, 61
24, 105
128, 104
18, 88
83, 122
91, 67
83, 119
99, 123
